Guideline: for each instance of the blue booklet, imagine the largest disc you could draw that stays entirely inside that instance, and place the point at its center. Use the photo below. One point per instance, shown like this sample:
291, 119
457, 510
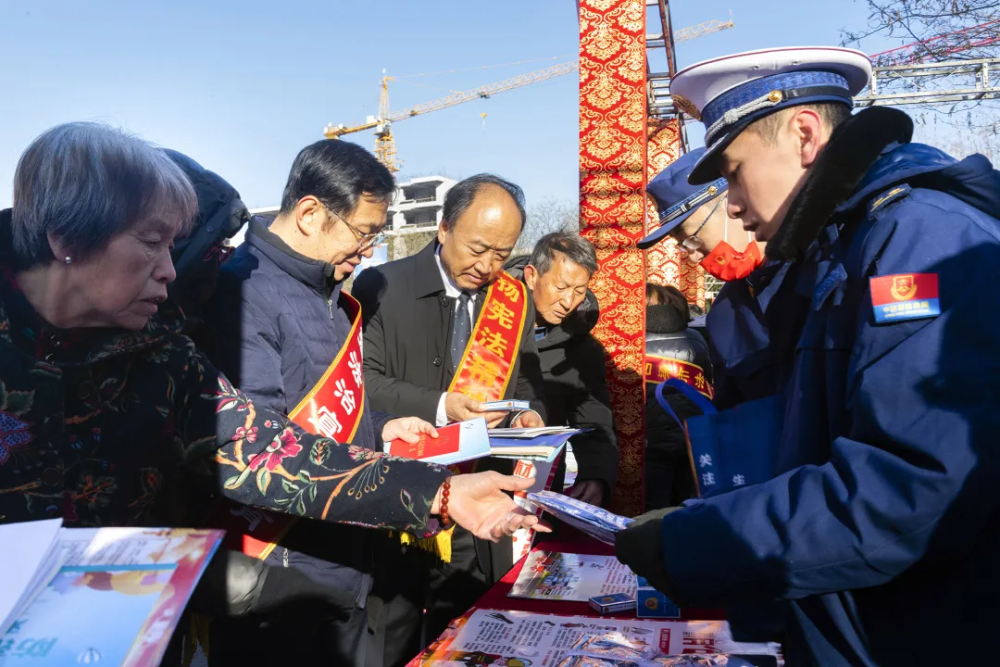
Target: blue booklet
590, 519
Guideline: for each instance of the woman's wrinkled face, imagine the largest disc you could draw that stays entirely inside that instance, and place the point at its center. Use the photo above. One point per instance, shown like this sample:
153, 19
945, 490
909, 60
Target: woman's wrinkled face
123, 284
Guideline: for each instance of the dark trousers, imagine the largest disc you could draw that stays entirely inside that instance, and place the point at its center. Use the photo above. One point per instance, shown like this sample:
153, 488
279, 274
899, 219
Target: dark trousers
409, 581
289, 639
669, 480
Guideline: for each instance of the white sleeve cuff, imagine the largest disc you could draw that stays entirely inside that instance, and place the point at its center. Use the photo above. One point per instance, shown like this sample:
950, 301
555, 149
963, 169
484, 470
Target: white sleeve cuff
441, 419
517, 416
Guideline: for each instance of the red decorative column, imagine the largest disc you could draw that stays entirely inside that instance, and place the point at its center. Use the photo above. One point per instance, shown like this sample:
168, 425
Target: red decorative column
612, 211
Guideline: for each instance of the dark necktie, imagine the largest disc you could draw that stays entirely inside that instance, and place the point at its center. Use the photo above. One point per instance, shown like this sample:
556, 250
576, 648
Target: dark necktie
463, 327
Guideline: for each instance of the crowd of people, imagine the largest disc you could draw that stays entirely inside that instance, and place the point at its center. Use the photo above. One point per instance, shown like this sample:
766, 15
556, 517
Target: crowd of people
151, 375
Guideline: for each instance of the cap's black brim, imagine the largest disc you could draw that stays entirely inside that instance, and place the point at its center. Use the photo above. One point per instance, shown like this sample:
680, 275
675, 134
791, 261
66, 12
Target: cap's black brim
707, 168
661, 233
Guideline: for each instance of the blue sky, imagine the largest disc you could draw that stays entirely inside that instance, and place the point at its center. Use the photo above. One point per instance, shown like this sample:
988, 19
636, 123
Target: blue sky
242, 86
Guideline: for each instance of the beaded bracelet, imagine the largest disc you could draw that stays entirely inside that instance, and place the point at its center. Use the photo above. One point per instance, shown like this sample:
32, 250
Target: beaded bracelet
445, 491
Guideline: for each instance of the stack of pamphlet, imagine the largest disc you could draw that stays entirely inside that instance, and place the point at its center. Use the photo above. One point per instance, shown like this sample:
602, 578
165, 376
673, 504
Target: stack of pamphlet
543, 443
590, 519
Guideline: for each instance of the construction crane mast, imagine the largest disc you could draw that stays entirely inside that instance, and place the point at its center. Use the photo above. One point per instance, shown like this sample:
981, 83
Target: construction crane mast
655, 40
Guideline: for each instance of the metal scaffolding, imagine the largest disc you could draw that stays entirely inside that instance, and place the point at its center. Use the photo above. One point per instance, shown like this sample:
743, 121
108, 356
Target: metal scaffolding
935, 83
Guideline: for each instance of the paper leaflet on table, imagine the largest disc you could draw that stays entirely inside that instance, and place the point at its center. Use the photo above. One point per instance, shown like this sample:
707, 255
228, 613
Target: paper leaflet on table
117, 598
549, 575
488, 637
590, 519
458, 442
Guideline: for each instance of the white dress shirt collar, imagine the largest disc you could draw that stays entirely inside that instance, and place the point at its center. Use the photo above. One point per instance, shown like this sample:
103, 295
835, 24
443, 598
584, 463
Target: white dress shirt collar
450, 288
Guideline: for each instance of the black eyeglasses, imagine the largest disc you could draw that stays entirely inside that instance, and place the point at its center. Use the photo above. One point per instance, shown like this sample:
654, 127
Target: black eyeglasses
693, 243
365, 241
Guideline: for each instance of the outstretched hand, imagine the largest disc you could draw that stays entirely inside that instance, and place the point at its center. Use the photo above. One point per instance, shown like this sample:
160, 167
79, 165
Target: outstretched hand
407, 429
640, 547
477, 502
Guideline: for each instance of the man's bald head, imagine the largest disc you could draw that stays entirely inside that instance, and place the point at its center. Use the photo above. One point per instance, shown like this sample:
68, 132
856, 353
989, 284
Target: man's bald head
461, 196
481, 222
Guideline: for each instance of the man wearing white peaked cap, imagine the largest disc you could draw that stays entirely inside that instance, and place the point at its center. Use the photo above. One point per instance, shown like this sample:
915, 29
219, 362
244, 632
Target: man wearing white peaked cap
881, 513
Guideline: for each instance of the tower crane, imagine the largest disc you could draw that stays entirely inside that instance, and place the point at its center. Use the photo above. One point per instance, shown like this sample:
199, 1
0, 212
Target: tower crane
654, 40
385, 144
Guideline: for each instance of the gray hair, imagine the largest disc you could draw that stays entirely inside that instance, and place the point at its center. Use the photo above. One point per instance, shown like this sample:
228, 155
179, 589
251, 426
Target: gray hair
85, 183
577, 249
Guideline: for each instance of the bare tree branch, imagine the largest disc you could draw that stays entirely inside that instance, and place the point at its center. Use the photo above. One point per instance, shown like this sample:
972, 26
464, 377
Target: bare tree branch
943, 29
545, 216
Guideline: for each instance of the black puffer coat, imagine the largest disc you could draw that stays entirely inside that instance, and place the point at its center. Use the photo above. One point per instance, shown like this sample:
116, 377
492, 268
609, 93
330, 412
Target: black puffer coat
575, 388
669, 479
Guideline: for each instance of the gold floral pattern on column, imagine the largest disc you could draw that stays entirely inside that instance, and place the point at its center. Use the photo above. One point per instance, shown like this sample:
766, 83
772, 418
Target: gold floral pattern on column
613, 210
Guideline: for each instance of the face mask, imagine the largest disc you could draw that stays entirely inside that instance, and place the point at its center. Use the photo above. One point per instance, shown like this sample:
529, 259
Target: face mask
726, 264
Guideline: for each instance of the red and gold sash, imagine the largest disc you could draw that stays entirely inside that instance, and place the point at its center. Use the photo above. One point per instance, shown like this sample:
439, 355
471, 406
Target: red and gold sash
489, 358
486, 367
332, 409
658, 369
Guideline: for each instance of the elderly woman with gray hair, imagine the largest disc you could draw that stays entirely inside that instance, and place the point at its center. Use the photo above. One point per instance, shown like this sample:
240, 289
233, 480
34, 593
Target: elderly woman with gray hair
109, 415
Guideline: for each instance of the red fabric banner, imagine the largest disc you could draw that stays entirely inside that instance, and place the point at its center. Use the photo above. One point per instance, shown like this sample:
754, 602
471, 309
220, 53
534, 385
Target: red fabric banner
612, 211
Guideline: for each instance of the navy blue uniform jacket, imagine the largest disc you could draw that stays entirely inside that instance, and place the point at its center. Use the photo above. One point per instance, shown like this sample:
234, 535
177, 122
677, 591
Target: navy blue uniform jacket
883, 525
739, 339
276, 328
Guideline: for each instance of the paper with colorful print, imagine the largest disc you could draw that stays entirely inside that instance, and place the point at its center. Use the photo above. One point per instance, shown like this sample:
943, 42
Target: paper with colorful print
522, 639
548, 575
116, 600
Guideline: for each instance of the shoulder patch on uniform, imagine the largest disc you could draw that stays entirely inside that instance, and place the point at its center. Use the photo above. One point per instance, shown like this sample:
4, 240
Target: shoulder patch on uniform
886, 198
905, 296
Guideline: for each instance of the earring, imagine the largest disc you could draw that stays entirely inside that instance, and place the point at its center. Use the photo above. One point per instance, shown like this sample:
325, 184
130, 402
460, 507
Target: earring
69, 260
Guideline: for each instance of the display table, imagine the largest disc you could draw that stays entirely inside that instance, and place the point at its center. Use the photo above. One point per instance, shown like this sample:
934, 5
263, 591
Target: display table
573, 541
522, 632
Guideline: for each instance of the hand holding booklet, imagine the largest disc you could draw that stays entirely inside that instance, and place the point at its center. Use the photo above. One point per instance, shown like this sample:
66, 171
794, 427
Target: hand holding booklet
458, 442
590, 519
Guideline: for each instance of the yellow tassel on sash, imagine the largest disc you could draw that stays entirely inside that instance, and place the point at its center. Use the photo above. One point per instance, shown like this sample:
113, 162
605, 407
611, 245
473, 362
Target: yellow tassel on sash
197, 637
439, 545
